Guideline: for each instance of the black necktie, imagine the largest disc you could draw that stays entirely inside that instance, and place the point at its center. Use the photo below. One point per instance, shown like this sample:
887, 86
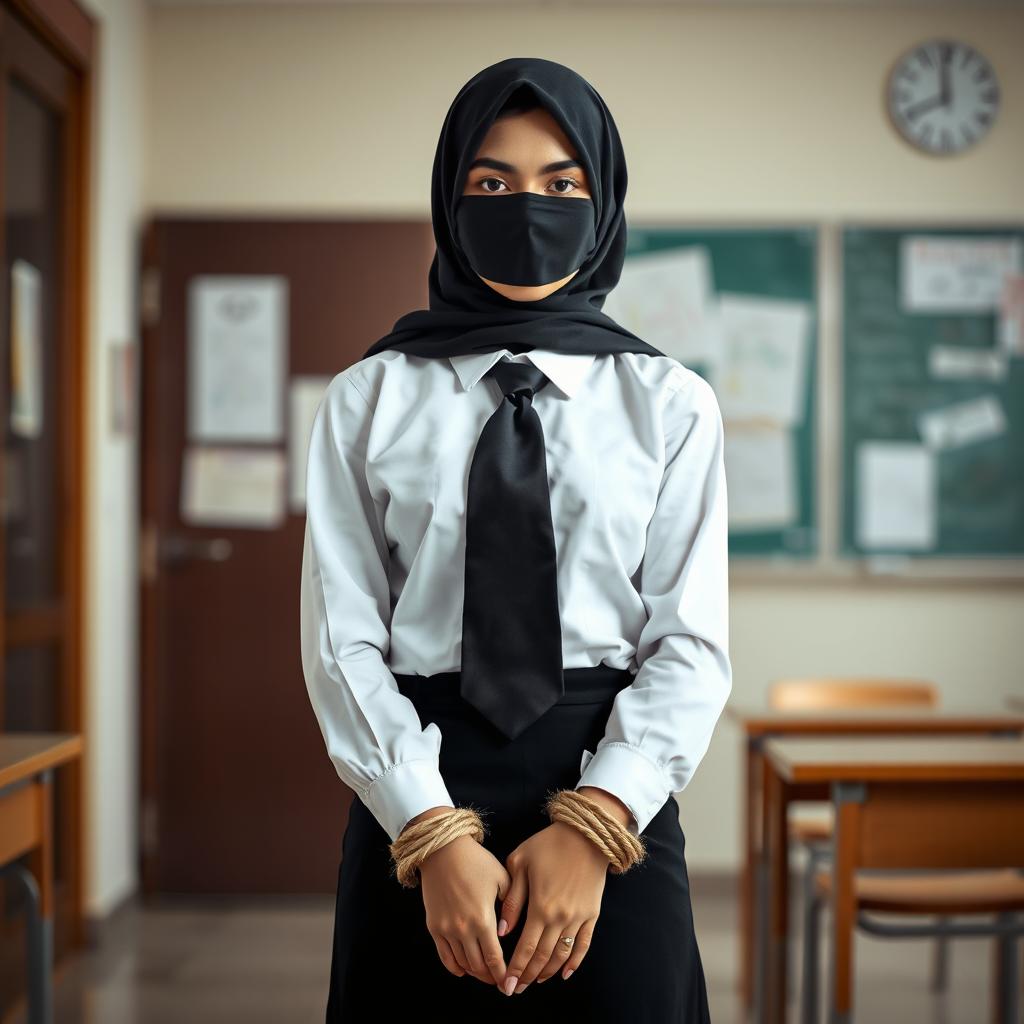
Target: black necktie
511, 631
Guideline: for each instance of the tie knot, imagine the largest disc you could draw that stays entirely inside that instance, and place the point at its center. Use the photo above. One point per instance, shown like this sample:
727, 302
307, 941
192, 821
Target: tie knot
512, 377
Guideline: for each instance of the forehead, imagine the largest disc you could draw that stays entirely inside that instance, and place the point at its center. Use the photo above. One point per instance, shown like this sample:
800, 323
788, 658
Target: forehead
536, 129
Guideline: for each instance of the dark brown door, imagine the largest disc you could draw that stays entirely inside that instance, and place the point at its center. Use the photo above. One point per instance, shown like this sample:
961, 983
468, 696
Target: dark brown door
239, 794
42, 182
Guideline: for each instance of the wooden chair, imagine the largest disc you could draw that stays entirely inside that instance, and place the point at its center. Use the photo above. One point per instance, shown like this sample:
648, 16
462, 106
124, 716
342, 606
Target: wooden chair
810, 826
943, 897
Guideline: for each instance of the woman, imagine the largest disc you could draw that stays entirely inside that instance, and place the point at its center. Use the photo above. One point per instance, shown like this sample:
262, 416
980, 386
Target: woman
516, 542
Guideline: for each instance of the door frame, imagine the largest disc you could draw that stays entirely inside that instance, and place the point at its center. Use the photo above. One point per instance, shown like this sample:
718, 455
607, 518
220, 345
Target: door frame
68, 32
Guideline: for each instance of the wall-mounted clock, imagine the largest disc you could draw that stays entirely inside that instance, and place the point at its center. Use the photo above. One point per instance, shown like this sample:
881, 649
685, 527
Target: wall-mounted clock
943, 96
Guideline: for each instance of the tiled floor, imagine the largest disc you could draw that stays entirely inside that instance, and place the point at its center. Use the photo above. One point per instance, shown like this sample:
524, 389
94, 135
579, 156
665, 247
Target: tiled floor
267, 962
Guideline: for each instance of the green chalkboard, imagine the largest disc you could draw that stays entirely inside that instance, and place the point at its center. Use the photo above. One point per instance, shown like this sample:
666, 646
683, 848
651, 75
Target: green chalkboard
771, 263
907, 365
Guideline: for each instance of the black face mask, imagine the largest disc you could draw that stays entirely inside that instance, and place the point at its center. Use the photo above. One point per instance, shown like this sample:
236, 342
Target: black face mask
525, 238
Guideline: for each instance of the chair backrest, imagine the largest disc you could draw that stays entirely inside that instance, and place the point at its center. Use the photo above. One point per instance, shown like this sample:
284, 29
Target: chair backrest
798, 694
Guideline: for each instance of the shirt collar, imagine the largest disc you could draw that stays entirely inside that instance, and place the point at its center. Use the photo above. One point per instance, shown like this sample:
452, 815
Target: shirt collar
565, 369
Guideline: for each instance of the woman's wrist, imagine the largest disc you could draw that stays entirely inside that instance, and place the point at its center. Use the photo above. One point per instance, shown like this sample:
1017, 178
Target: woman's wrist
610, 802
428, 832
588, 809
429, 813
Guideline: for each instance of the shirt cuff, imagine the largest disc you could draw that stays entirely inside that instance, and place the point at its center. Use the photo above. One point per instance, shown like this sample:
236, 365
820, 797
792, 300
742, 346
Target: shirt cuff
406, 789
632, 776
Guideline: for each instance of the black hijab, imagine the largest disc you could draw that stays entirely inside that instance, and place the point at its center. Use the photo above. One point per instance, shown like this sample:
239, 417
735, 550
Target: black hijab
467, 315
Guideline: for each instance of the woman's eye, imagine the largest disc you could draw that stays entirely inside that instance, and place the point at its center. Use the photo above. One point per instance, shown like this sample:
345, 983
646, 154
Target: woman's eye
569, 181
483, 184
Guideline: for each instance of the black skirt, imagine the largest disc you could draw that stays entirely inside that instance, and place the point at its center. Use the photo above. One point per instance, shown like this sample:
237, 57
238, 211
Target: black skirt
643, 964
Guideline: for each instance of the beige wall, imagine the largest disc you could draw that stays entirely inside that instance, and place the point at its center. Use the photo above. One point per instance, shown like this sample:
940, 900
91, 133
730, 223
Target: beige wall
726, 112
111, 758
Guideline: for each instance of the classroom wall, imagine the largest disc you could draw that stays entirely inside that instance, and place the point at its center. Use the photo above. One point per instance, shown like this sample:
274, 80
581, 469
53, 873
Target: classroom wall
726, 112
110, 606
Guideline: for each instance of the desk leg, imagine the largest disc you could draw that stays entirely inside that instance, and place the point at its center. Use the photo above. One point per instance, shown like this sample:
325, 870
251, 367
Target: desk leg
1006, 981
41, 864
777, 898
749, 923
846, 801
758, 943
758, 1009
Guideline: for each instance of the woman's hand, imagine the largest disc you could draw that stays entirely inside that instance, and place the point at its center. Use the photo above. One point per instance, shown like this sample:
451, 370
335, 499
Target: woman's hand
561, 874
461, 882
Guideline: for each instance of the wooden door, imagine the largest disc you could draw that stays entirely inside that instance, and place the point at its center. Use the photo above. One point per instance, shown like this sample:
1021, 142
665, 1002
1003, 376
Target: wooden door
44, 66
239, 795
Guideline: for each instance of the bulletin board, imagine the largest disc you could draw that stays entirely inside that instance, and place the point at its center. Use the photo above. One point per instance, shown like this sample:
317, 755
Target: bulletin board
738, 305
932, 392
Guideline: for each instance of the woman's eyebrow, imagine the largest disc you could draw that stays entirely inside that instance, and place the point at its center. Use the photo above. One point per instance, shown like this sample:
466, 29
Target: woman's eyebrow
500, 165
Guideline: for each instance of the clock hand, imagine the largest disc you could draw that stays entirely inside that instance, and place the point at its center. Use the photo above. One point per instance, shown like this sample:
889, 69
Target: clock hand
919, 108
947, 55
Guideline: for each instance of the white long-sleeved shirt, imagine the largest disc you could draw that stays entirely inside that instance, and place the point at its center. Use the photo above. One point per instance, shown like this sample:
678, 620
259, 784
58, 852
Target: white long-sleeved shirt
634, 447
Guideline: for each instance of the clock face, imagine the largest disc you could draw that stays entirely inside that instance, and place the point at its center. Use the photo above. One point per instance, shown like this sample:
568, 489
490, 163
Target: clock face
943, 96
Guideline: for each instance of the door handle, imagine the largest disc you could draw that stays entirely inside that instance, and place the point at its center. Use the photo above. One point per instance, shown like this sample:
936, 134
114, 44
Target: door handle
176, 549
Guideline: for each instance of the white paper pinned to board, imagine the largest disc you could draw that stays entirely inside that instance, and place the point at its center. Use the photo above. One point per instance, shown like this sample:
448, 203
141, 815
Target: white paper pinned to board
667, 298
896, 496
237, 357
760, 467
762, 373
962, 423
955, 274
958, 362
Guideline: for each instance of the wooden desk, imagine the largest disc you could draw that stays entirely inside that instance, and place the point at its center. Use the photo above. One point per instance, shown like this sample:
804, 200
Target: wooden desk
894, 799
27, 761
759, 723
